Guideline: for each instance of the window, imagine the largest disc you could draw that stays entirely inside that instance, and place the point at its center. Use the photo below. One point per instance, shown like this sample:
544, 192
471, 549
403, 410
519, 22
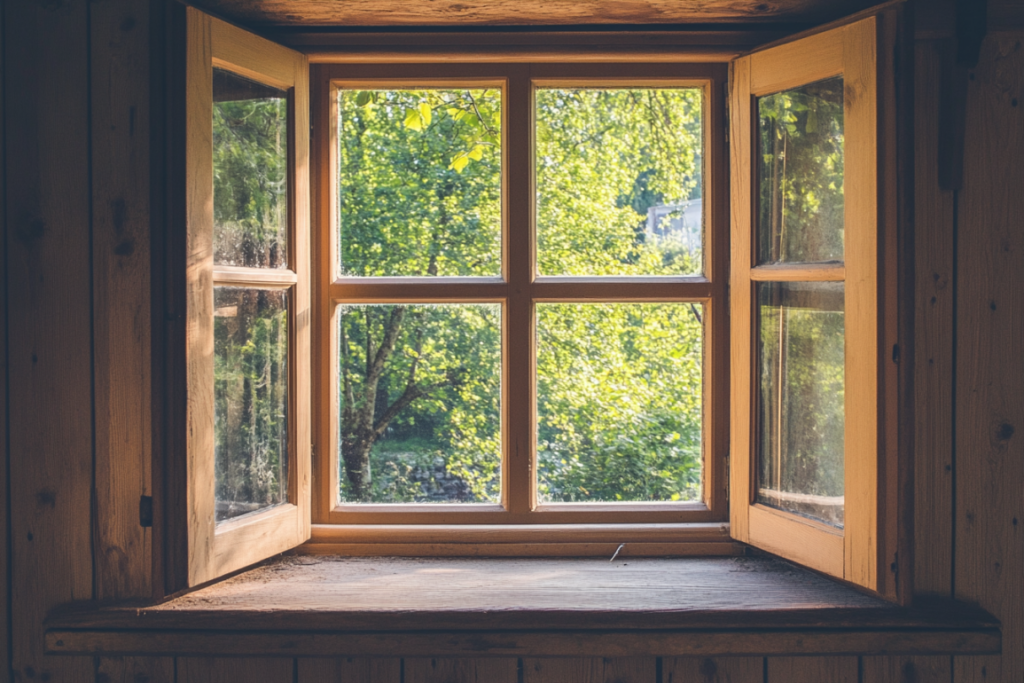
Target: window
492, 235
525, 308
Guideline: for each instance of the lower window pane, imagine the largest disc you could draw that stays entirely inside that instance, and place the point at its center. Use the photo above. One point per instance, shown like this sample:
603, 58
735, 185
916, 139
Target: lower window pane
619, 396
420, 389
801, 415
250, 350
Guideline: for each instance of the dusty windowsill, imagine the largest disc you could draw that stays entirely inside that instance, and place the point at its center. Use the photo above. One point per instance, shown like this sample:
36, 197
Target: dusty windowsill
318, 606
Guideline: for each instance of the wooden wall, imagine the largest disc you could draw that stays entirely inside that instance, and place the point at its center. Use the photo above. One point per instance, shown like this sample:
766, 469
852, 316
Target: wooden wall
75, 302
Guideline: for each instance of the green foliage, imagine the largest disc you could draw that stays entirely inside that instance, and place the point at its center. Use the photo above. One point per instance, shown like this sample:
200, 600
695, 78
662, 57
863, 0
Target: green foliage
603, 158
250, 188
250, 399
619, 386
801, 173
420, 185
619, 402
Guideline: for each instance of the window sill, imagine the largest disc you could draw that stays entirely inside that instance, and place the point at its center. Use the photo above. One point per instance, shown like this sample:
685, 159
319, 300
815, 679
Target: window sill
334, 606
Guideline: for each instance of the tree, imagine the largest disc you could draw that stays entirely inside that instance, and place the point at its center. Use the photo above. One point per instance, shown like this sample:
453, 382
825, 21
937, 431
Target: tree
420, 174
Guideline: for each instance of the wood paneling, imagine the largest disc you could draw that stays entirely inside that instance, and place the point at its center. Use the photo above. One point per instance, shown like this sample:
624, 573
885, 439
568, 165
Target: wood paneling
235, 670
483, 12
990, 349
135, 670
906, 669
713, 670
436, 670
349, 670
5, 594
933, 353
49, 304
812, 670
119, 63
591, 670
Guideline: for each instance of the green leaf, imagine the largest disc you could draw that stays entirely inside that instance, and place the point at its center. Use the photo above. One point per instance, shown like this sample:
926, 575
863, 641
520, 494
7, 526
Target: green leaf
477, 153
460, 162
363, 98
413, 121
425, 114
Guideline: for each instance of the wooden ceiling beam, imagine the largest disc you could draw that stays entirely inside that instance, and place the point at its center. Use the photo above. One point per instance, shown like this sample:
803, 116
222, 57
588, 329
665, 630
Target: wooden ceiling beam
466, 13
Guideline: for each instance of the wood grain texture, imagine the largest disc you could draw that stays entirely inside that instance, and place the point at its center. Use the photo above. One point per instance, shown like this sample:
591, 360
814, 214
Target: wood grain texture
812, 670
438, 670
349, 670
534, 643
933, 340
351, 594
978, 669
135, 670
713, 670
235, 670
590, 670
49, 355
5, 541
906, 669
989, 564
120, 44
565, 12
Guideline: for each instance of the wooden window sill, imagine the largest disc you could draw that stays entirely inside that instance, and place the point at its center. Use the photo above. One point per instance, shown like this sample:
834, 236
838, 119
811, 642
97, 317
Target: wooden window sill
335, 606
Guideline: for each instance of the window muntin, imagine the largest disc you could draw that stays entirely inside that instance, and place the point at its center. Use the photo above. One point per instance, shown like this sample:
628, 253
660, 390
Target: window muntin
522, 293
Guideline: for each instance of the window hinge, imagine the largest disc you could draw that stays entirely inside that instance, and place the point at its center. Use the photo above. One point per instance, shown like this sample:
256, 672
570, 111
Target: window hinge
146, 511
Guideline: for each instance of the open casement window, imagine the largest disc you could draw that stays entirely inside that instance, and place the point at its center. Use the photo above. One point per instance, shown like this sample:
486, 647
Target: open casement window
813, 302
248, 314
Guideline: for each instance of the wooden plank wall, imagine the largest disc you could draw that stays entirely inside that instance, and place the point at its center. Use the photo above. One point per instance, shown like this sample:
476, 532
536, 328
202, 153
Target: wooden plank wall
75, 363
989, 506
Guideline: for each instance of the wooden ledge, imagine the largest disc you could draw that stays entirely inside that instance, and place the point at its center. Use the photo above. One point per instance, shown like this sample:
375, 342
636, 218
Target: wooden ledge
329, 606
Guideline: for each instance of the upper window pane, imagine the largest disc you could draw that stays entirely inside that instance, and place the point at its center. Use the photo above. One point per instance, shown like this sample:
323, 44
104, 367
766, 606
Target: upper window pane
619, 181
800, 174
419, 182
250, 173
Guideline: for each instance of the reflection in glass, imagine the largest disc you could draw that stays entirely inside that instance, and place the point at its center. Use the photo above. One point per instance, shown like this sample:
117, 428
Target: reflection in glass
419, 182
802, 394
800, 172
250, 173
250, 361
619, 402
619, 181
420, 420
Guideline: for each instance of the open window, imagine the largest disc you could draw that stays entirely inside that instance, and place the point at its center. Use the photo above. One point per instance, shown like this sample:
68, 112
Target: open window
406, 289
814, 352
248, 311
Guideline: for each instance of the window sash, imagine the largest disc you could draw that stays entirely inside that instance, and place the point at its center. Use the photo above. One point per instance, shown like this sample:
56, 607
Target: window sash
519, 290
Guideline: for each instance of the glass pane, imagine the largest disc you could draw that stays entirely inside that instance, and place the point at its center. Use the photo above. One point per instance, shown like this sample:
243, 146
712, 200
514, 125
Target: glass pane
250, 361
419, 182
619, 398
802, 381
250, 173
421, 421
619, 181
800, 215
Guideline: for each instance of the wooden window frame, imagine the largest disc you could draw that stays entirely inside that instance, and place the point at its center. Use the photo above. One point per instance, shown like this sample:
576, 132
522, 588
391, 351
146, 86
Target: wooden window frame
216, 549
865, 550
517, 290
